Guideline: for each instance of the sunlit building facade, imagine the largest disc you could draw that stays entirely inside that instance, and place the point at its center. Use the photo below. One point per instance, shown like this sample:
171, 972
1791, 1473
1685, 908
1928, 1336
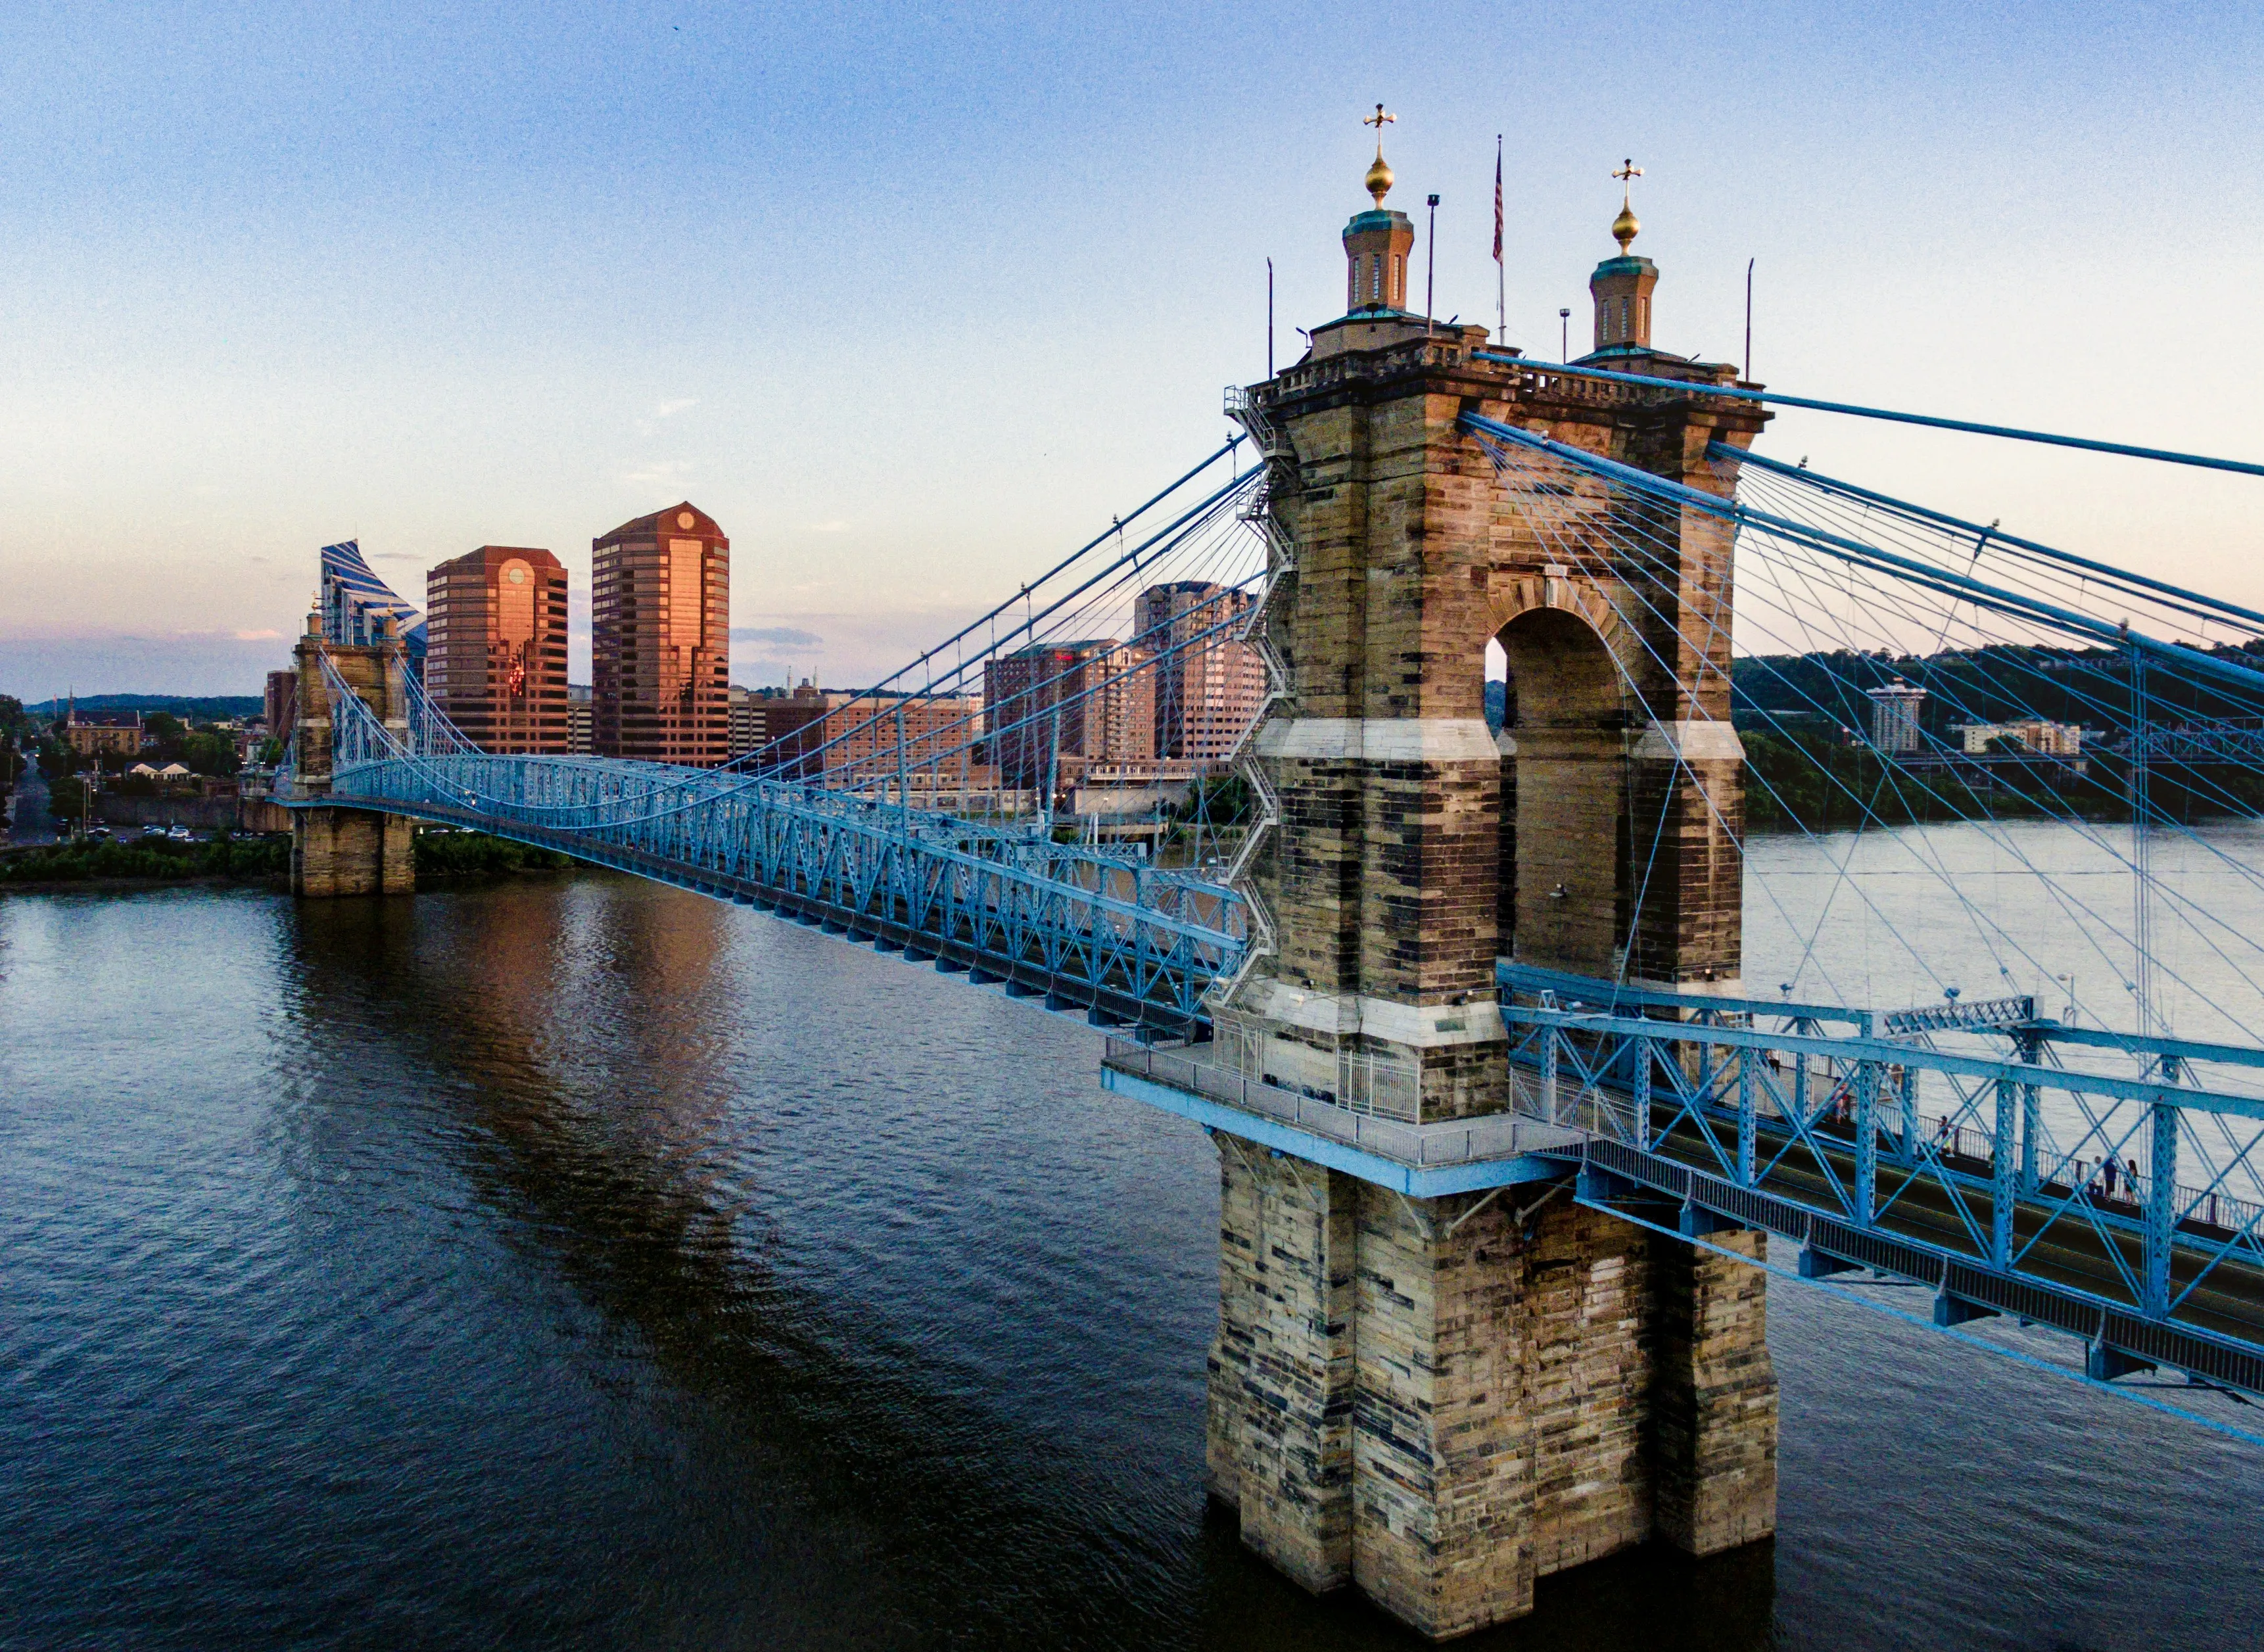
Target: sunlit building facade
660, 604
1209, 686
1054, 707
495, 659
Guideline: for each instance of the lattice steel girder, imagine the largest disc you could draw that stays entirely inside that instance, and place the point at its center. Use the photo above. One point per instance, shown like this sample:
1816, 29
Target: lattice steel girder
1891, 1053
1965, 1287
2085, 1256
857, 857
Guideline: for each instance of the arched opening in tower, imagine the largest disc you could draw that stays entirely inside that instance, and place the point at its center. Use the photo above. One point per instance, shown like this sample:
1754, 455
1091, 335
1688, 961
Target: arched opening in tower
1564, 899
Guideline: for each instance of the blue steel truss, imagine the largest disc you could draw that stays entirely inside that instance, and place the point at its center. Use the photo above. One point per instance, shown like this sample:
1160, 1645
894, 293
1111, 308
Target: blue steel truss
1124, 940
2136, 1224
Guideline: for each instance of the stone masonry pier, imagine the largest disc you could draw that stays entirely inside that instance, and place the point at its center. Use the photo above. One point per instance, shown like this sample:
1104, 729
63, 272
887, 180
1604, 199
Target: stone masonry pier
1437, 1384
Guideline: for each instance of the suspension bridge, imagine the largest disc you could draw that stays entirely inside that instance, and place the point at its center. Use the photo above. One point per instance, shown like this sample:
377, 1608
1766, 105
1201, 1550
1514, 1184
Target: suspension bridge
1522, 1034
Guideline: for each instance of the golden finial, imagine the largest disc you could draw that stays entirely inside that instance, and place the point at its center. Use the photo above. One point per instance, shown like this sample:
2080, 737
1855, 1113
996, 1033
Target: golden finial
1624, 228
1378, 181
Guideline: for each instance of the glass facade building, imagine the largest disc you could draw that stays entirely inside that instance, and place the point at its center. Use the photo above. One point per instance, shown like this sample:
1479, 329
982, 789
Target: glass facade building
494, 658
660, 605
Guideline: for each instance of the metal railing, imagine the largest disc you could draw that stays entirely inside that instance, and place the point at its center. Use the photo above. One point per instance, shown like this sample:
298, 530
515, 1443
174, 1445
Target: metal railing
1423, 1146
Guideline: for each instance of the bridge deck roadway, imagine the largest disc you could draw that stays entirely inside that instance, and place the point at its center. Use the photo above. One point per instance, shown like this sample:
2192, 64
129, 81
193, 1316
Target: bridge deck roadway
2065, 1272
1022, 973
2057, 1245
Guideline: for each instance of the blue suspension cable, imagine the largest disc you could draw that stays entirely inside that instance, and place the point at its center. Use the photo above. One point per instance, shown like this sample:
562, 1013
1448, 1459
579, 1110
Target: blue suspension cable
1973, 590
1688, 387
1804, 540
1723, 452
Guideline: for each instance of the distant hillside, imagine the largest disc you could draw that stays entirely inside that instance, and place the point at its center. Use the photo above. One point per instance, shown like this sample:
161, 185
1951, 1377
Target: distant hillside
187, 707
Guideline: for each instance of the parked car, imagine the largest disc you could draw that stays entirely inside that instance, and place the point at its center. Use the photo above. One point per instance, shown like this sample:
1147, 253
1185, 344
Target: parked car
180, 834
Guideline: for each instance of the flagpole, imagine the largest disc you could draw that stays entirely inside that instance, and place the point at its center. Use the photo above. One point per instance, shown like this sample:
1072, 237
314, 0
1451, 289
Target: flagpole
1500, 273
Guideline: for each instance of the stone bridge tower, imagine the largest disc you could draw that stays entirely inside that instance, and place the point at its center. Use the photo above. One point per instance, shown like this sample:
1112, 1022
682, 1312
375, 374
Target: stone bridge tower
337, 851
1438, 1399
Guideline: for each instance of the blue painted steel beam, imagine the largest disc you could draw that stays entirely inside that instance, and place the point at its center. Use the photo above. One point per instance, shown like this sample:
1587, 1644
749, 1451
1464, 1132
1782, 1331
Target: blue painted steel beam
1339, 1155
2141, 1043
1169, 991
2208, 606
1845, 549
2123, 449
1889, 1052
1970, 1288
1595, 992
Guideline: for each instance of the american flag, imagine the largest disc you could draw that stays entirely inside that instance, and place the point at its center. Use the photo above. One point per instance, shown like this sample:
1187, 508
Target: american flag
1497, 200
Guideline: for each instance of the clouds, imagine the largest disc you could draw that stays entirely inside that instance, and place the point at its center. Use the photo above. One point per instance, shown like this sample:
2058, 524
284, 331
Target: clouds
182, 663
670, 475
787, 637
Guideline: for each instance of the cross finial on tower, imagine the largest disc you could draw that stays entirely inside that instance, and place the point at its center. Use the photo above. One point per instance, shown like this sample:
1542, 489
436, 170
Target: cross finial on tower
1625, 227
1379, 176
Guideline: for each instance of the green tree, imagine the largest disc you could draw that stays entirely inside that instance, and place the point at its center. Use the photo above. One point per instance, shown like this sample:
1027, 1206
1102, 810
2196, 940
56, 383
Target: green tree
162, 732
209, 752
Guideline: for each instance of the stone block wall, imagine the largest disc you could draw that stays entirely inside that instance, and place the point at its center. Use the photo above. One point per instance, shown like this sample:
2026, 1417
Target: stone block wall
1716, 1418
349, 852
1279, 1445
1440, 1401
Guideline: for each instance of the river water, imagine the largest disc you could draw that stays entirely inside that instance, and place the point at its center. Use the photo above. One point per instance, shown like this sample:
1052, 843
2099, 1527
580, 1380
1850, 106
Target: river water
580, 1263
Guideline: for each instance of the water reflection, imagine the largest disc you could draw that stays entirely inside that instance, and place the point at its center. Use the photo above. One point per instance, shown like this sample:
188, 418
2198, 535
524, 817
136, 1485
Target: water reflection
597, 1131
585, 1262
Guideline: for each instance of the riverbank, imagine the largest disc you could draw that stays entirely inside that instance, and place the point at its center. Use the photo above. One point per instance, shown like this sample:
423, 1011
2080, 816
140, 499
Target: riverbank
100, 865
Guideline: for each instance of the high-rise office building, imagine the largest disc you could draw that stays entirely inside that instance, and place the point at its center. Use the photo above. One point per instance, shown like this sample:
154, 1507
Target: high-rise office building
280, 707
495, 660
660, 604
750, 726
868, 740
1209, 686
1054, 707
578, 713
1895, 726
356, 603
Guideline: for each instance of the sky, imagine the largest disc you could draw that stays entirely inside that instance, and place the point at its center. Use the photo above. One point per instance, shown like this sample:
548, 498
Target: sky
913, 300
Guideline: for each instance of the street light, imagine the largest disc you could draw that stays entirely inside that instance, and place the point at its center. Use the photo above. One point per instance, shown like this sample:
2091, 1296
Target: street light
1564, 335
1431, 266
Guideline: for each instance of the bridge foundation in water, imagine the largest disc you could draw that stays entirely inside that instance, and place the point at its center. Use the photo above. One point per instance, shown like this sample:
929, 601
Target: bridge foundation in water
348, 851
1439, 1401
1438, 1394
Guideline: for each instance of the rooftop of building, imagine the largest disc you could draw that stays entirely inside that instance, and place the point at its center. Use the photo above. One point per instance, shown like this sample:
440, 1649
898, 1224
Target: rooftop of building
1090, 645
669, 521
1378, 218
488, 556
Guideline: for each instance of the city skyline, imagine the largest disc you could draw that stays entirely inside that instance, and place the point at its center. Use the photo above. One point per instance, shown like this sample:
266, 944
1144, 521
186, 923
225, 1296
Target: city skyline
272, 288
